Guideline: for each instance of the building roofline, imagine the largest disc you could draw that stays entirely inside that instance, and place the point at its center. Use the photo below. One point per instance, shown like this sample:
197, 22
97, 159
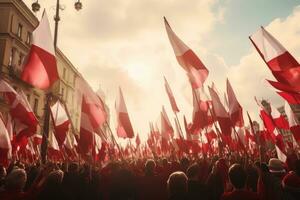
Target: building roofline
23, 8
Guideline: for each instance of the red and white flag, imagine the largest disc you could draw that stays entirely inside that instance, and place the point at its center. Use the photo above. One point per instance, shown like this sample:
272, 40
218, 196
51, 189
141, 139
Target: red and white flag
290, 97
293, 122
279, 119
220, 112
20, 110
167, 130
124, 128
195, 69
171, 96
40, 70
235, 109
272, 52
92, 115
61, 122
283, 65
70, 142
53, 142
5, 145
200, 112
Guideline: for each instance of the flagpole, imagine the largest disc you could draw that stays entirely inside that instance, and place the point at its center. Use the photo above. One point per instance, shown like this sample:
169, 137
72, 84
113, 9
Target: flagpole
113, 139
69, 116
181, 132
211, 113
44, 145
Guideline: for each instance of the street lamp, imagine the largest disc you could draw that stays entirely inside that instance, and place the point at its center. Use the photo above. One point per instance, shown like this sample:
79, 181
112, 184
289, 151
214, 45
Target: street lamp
78, 5
49, 96
35, 6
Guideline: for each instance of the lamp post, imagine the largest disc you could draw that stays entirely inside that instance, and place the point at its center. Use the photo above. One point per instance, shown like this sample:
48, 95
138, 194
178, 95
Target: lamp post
49, 96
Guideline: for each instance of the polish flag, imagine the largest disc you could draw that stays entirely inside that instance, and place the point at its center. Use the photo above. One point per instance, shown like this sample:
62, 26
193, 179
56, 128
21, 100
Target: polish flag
291, 98
91, 104
53, 142
284, 87
195, 69
40, 69
92, 115
279, 119
124, 129
61, 122
220, 113
293, 122
272, 52
70, 141
200, 112
167, 131
20, 110
235, 109
276, 137
171, 96
5, 145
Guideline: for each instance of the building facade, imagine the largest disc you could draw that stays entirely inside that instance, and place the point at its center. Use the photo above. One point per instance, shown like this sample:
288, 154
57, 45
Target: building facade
16, 26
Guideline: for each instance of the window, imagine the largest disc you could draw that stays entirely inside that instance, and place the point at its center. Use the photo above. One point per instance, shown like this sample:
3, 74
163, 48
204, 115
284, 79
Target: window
36, 105
20, 61
28, 38
64, 73
11, 57
20, 29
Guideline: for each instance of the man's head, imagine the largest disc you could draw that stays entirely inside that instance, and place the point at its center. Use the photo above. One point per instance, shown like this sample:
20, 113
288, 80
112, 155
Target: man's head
193, 171
16, 179
149, 167
177, 183
237, 176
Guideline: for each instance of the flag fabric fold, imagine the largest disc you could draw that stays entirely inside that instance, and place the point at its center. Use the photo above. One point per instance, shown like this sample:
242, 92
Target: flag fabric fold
293, 122
171, 96
194, 67
124, 128
235, 109
220, 113
61, 122
40, 70
25, 121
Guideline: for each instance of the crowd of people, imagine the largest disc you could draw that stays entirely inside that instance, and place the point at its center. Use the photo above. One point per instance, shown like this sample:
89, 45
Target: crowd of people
162, 178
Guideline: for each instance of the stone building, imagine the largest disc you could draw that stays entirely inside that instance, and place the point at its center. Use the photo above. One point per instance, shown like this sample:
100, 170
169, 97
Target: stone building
16, 26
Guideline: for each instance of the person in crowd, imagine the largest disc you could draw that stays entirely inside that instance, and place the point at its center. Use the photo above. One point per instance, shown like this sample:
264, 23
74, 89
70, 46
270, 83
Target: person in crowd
269, 182
291, 182
150, 185
14, 184
217, 180
238, 177
52, 189
196, 189
177, 186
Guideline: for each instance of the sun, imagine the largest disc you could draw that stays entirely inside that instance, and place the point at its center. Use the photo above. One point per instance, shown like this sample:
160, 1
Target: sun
137, 72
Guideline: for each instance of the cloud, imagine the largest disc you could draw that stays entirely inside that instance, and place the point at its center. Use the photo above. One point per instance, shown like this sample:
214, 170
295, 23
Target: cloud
123, 43
248, 77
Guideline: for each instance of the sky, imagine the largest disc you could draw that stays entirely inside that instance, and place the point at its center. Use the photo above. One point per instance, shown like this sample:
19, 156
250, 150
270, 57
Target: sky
124, 43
